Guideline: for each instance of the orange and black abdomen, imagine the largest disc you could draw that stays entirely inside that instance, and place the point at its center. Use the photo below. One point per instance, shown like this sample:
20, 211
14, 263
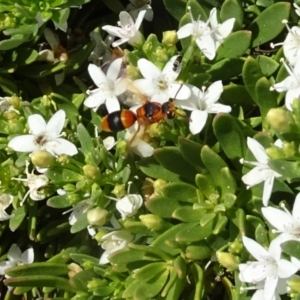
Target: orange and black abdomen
118, 120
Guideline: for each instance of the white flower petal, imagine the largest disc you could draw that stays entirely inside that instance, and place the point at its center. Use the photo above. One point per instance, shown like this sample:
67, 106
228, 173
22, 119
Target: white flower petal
296, 208
277, 218
95, 99
23, 143
207, 45
27, 256
251, 272
185, 31
148, 69
114, 69
109, 142
255, 176
141, 148
139, 19
290, 96
224, 29
97, 75
254, 248
218, 108
14, 253
268, 187
270, 287
197, 120
257, 150
56, 123
112, 104
288, 83
179, 91
160, 97
61, 146
286, 268
126, 19
104, 258
4, 216
121, 85
119, 42
213, 93
146, 86
115, 31
37, 124
6, 265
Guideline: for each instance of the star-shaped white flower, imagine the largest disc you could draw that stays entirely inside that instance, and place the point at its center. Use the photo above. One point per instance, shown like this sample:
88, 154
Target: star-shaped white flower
290, 85
208, 35
268, 267
261, 171
34, 182
16, 257
114, 241
160, 85
109, 86
135, 6
5, 202
203, 102
128, 30
44, 136
286, 223
291, 44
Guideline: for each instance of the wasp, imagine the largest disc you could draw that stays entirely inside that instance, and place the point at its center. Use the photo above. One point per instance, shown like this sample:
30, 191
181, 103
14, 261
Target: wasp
149, 113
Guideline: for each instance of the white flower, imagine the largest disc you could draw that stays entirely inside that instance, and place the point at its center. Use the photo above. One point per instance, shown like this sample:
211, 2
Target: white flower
109, 86
136, 138
269, 266
208, 38
44, 136
203, 102
290, 85
5, 202
5, 105
297, 9
261, 171
109, 143
16, 257
286, 223
161, 85
135, 6
291, 44
34, 182
129, 205
128, 30
114, 241
78, 210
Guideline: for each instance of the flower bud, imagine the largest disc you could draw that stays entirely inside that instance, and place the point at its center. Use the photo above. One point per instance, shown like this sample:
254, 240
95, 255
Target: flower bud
121, 147
95, 284
97, 216
227, 260
42, 158
90, 171
156, 130
63, 159
198, 251
119, 190
280, 119
159, 184
7, 20
294, 284
236, 247
11, 115
15, 126
133, 72
162, 54
15, 101
74, 269
274, 153
152, 222
170, 37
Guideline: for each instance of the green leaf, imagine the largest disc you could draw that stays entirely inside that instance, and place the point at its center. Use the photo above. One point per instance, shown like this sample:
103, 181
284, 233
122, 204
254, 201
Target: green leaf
82, 258
267, 64
147, 272
175, 8
162, 206
17, 218
59, 201
289, 169
234, 94
198, 251
80, 224
24, 56
168, 155
59, 175
13, 42
197, 10
38, 268
251, 74
8, 85
151, 167
198, 275
86, 142
180, 192
60, 16
205, 184
41, 281
292, 248
231, 137
232, 9
81, 279
126, 256
195, 234
269, 23
235, 45
226, 69
188, 214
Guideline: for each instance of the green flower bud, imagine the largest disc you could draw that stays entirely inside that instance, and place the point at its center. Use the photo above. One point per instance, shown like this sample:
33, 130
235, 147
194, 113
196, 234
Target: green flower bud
121, 147
95, 284
97, 216
133, 72
236, 247
198, 251
170, 37
119, 191
15, 126
90, 171
7, 20
273, 152
280, 119
289, 148
98, 236
15, 101
63, 159
152, 222
158, 185
42, 159
46, 101
294, 284
81, 296
228, 260
11, 115
156, 130
162, 54
88, 264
